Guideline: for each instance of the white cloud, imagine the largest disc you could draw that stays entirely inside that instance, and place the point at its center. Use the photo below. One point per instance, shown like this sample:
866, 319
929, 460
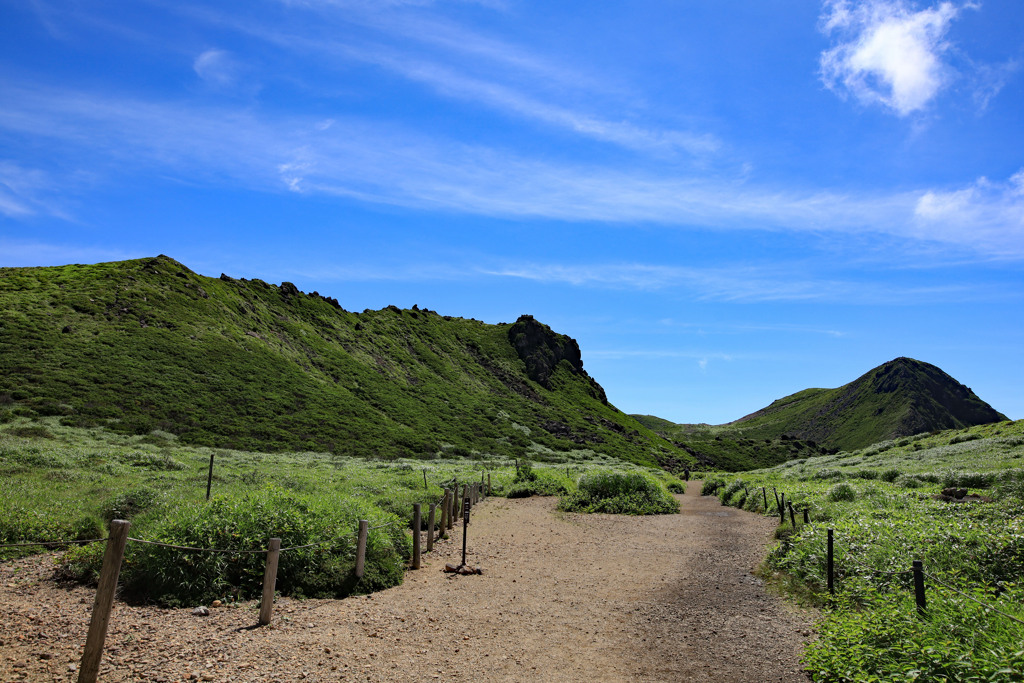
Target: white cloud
888, 54
217, 68
374, 162
739, 283
985, 214
26, 192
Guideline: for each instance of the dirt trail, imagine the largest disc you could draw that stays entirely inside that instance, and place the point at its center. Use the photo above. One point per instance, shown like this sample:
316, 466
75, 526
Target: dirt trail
563, 597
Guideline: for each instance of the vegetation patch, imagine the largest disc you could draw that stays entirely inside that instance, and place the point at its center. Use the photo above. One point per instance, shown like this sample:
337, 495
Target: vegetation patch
972, 554
628, 493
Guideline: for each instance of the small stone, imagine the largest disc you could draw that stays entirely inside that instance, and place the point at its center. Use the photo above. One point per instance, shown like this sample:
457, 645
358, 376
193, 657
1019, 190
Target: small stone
216, 603
451, 568
201, 612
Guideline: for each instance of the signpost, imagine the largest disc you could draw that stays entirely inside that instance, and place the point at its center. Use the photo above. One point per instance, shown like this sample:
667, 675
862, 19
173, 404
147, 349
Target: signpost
466, 505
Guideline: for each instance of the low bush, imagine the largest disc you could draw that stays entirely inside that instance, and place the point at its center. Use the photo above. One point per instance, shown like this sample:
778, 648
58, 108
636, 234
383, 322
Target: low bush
967, 480
629, 493
841, 492
239, 526
676, 486
711, 486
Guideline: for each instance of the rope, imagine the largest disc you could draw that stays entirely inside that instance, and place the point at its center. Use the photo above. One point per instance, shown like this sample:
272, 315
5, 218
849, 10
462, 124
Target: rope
869, 570
49, 543
383, 526
310, 545
955, 590
201, 550
877, 571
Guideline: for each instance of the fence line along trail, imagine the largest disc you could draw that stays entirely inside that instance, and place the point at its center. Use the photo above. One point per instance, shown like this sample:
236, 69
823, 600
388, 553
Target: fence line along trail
563, 597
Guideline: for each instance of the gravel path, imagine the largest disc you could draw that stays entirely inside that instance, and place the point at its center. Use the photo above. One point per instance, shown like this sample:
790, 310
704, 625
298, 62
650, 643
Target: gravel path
563, 597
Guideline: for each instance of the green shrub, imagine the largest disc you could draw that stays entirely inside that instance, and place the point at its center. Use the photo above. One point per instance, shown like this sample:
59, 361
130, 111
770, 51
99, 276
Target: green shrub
735, 486
908, 482
711, 486
82, 564
967, 480
128, 504
676, 486
241, 526
841, 492
890, 475
543, 482
630, 493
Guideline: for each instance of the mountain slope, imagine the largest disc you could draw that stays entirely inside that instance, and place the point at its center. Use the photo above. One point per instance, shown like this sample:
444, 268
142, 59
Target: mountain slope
150, 347
898, 398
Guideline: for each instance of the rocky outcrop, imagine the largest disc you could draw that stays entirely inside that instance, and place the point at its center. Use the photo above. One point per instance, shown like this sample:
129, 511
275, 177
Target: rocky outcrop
543, 350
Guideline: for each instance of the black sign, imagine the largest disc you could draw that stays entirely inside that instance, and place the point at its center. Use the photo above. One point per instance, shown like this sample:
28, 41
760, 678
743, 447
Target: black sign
466, 507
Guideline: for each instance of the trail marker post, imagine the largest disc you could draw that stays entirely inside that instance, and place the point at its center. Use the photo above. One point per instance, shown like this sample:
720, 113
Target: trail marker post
466, 505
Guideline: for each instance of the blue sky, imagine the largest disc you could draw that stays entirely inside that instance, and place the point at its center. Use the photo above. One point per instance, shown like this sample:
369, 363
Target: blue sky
723, 202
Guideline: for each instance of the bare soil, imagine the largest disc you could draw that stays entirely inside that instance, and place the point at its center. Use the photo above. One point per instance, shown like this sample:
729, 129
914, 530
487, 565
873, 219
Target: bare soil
562, 597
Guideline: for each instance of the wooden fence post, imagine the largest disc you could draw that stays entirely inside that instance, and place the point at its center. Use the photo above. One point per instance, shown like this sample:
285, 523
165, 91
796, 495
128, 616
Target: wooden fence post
782, 509
364, 527
430, 527
451, 508
831, 572
919, 586
442, 524
764, 494
807, 515
416, 522
425, 486
792, 515
209, 478
488, 483
775, 491
89, 668
270, 580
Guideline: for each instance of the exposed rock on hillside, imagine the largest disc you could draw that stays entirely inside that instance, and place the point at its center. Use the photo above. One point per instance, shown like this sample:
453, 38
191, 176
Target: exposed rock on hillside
542, 350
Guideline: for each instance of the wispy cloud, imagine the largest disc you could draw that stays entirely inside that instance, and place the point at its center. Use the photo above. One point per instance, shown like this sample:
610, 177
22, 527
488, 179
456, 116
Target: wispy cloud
29, 253
744, 284
888, 53
26, 192
374, 162
217, 68
468, 67
989, 213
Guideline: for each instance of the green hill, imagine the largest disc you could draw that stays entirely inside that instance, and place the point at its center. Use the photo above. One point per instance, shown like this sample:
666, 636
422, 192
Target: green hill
150, 347
899, 398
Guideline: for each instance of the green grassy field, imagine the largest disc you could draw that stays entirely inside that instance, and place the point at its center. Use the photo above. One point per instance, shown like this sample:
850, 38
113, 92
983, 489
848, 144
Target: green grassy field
885, 508
69, 485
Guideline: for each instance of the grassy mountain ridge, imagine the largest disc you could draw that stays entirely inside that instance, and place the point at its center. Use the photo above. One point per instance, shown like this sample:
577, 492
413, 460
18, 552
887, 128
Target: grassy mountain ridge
150, 347
899, 398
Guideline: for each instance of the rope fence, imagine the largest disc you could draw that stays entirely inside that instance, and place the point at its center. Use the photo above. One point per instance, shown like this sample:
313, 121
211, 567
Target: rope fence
47, 543
116, 542
916, 570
